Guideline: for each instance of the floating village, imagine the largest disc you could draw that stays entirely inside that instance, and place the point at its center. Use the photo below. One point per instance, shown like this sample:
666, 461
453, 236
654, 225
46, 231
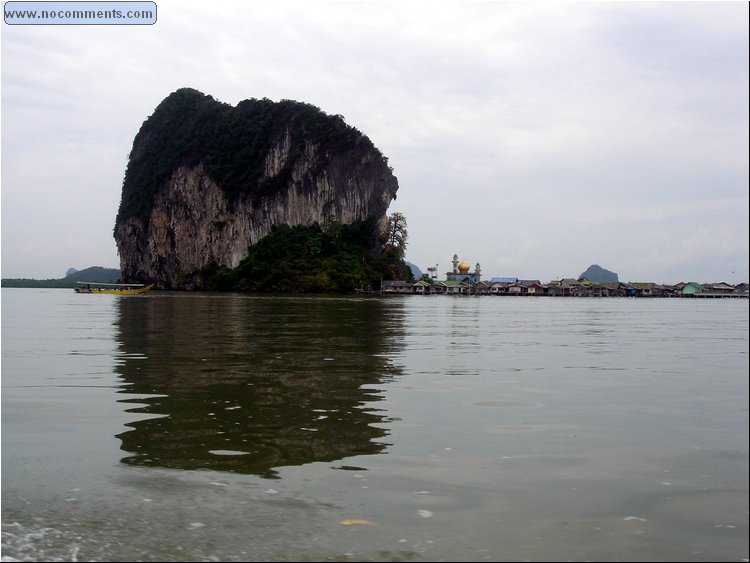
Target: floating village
462, 281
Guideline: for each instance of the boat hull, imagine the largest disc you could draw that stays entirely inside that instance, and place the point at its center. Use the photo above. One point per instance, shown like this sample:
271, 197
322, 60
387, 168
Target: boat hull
134, 291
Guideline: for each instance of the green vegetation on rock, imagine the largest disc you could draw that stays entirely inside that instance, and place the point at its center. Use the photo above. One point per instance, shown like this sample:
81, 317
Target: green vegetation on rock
190, 127
334, 258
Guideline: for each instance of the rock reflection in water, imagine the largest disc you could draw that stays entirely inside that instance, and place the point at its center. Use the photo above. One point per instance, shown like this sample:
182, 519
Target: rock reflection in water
247, 384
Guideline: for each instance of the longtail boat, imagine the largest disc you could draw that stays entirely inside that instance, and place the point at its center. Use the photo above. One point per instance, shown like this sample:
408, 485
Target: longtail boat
113, 288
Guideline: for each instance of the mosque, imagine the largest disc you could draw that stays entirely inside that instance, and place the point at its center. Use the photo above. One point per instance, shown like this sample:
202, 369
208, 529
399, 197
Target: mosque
461, 273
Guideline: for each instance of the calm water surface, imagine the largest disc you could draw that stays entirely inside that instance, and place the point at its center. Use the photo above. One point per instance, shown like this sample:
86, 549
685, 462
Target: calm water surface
228, 427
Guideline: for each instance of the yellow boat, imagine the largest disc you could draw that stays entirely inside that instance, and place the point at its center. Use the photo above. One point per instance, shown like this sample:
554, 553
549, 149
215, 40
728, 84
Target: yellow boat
113, 288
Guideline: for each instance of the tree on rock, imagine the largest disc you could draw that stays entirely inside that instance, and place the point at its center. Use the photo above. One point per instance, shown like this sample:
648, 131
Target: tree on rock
397, 232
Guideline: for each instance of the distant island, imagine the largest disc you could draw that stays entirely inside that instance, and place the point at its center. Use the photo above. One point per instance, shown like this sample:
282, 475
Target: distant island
96, 274
596, 273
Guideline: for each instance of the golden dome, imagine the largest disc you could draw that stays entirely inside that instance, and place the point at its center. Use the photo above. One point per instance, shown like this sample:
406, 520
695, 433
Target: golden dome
463, 267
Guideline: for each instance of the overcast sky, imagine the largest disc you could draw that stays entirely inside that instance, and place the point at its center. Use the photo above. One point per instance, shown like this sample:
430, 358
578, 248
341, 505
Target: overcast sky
534, 138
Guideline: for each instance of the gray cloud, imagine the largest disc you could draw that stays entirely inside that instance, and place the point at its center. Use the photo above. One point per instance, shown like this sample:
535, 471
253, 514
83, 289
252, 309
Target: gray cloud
535, 138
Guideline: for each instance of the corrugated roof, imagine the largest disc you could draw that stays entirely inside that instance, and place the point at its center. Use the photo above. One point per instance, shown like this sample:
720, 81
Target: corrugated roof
452, 283
641, 285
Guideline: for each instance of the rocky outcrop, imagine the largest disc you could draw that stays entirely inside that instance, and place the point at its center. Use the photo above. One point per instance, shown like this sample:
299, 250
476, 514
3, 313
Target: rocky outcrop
187, 209
596, 273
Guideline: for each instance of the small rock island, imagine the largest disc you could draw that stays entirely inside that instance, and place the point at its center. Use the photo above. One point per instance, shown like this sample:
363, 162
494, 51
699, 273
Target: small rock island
205, 181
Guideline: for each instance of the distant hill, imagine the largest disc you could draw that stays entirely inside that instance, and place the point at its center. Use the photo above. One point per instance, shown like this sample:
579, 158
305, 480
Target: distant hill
596, 273
95, 273
414, 270
70, 271
92, 274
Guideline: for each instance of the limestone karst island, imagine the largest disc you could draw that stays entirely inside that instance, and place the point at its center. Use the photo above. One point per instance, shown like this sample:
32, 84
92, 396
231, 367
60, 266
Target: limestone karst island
265, 196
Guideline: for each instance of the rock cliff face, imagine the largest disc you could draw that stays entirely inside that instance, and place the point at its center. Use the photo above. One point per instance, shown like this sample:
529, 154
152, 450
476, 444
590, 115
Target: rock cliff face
206, 180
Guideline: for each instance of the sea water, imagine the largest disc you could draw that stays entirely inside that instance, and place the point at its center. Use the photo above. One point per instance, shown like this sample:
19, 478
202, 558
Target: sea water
233, 427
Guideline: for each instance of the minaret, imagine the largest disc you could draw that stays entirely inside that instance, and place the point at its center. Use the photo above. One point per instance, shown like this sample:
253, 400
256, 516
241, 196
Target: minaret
455, 263
478, 271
